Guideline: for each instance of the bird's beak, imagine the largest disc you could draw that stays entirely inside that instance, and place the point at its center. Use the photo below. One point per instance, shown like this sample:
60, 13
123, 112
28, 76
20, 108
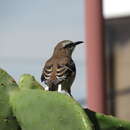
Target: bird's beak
77, 43
73, 44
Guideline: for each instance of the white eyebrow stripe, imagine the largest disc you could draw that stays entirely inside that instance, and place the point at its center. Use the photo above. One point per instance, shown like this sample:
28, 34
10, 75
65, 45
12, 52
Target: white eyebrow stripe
66, 43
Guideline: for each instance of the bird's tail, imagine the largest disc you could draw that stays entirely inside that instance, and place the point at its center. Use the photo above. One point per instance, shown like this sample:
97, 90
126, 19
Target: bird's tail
53, 85
53, 88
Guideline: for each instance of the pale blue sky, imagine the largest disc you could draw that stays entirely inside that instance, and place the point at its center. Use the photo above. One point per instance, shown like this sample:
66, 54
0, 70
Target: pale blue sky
29, 30
38, 23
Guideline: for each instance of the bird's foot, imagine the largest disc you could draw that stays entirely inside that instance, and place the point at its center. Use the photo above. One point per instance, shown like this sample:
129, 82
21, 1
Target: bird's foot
62, 91
46, 88
59, 88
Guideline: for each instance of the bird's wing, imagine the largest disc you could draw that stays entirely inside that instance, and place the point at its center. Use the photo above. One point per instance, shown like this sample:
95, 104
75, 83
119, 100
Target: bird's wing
66, 70
46, 73
42, 77
71, 67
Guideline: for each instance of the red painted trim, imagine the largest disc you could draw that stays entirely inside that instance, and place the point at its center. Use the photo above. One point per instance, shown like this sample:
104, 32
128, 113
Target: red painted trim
95, 56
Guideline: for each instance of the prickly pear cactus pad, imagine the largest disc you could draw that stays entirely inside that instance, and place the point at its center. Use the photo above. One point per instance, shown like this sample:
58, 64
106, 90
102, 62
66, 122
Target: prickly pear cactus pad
7, 84
40, 110
28, 81
27, 107
107, 122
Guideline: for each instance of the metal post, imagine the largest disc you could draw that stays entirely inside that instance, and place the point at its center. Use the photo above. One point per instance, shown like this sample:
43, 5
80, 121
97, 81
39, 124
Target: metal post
95, 56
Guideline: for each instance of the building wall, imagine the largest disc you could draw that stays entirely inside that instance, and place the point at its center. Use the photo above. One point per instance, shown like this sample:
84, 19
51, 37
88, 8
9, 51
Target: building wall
118, 66
122, 80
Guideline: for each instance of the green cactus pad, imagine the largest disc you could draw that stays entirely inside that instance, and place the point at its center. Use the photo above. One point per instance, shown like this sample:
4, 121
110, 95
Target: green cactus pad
7, 120
28, 81
107, 122
41, 110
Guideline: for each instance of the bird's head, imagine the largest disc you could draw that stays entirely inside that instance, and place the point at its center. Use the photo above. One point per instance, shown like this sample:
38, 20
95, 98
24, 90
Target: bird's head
65, 48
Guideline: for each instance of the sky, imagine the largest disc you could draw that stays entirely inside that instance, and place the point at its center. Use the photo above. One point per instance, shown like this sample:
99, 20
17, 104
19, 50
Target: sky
29, 30
40, 24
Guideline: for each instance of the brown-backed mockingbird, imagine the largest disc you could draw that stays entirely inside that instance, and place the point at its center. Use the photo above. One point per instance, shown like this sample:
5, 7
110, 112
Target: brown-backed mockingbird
59, 71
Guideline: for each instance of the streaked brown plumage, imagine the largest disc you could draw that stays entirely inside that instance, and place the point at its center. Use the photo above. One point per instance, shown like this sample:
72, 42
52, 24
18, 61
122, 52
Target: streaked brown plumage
60, 68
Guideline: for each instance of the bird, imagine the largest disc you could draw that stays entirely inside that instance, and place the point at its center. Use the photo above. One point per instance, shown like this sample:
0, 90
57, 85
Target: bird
59, 71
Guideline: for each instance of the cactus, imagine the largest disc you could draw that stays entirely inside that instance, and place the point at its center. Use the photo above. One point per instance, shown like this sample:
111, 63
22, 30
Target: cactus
42, 110
28, 81
36, 109
107, 122
46, 110
7, 120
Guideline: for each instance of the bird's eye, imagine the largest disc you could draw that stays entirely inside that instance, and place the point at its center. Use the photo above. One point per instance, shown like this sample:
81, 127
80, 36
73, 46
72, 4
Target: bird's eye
71, 48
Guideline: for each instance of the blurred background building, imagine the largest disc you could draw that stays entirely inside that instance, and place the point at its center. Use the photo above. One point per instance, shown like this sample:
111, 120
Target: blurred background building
118, 65
117, 29
29, 30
